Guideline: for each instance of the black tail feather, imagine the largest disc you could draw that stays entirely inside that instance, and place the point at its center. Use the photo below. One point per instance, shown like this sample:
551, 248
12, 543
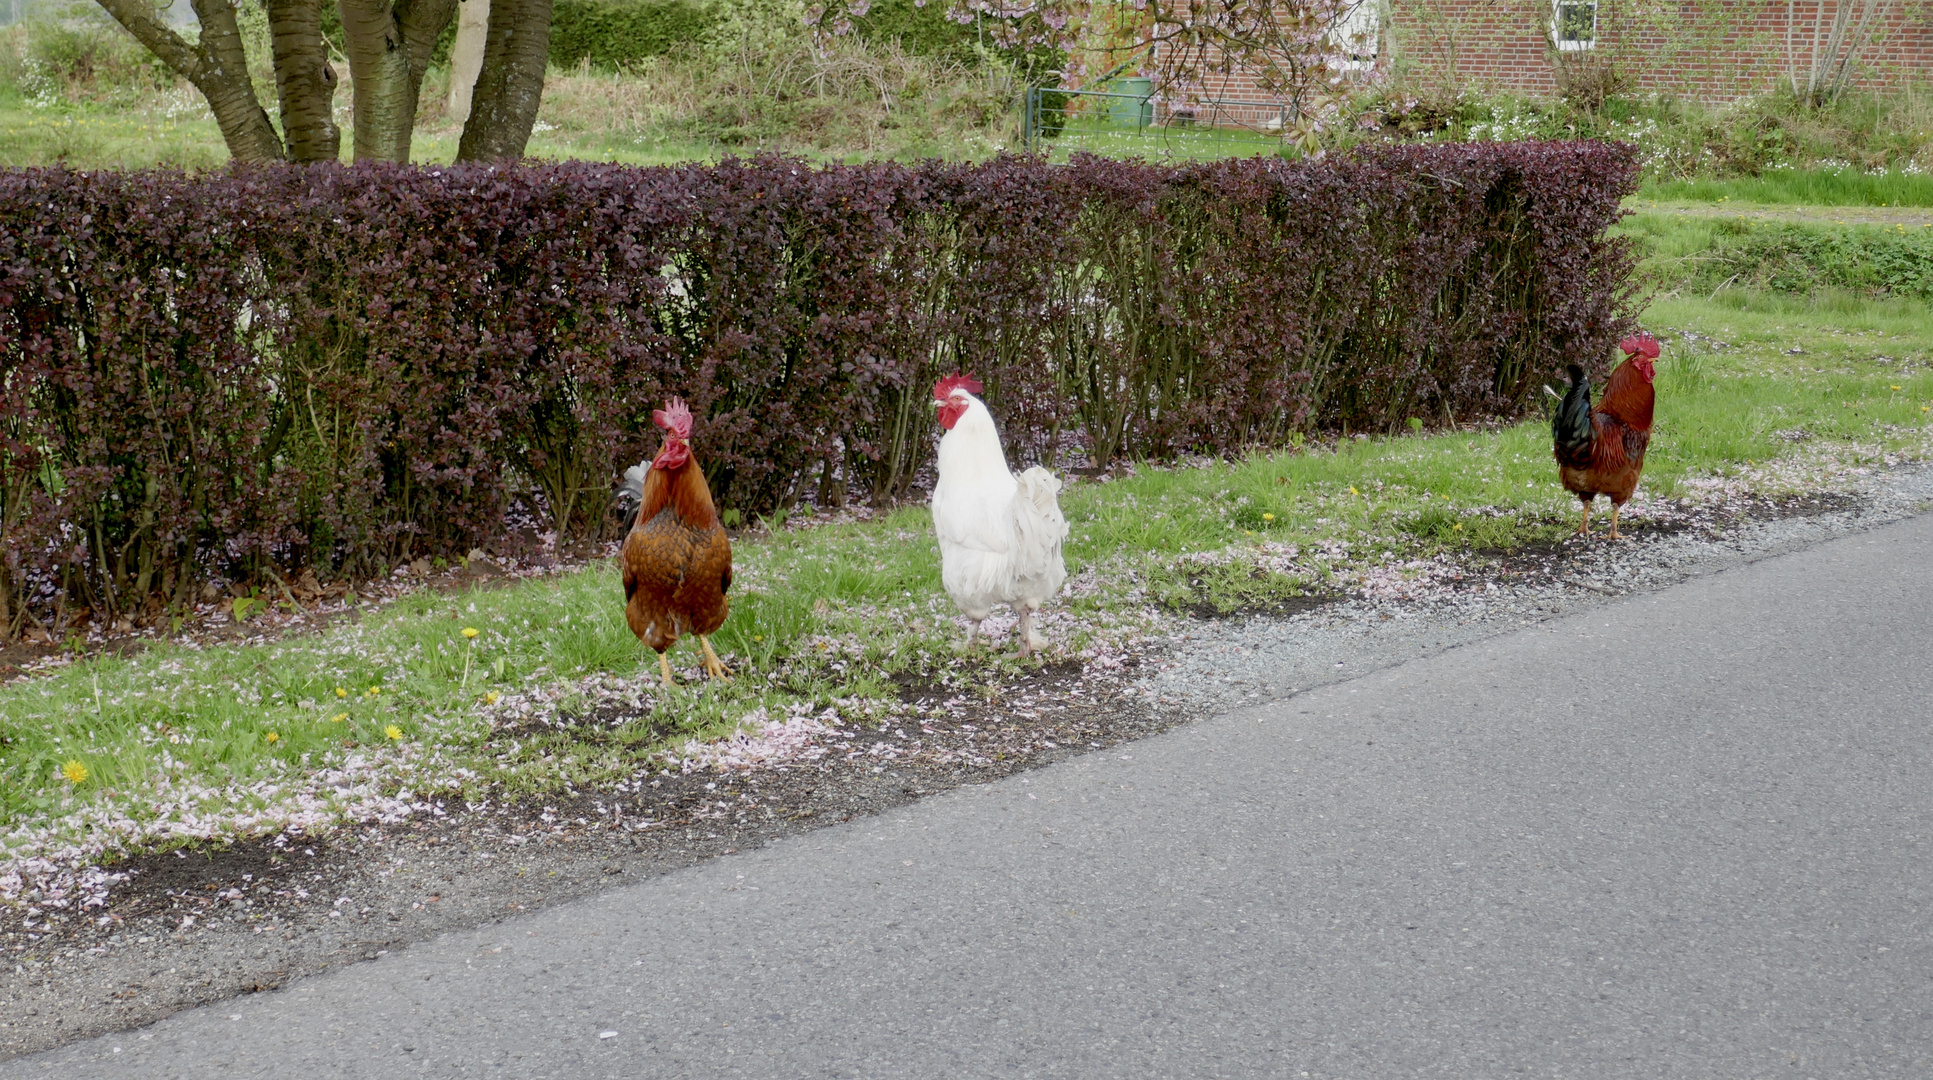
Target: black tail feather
1571, 428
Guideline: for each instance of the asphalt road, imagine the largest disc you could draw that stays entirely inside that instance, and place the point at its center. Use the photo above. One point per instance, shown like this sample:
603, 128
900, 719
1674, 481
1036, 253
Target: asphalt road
1686, 834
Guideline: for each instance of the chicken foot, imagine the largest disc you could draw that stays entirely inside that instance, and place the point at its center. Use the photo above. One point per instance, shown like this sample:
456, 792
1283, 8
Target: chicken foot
1030, 638
1614, 522
713, 666
1584, 528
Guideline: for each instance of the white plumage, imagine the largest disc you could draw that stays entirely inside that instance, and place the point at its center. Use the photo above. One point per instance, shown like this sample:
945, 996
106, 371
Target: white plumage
1000, 535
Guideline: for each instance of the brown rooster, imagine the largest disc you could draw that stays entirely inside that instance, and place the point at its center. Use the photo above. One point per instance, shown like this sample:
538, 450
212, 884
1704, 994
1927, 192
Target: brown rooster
1601, 451
677, 559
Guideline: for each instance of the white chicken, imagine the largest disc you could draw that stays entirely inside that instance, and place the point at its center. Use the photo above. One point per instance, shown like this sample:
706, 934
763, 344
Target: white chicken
1000, 534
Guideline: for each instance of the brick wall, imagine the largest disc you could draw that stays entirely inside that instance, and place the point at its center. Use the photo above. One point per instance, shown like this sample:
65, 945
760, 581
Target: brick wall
1716, 50
1719, 50
1225, 99
1235, 99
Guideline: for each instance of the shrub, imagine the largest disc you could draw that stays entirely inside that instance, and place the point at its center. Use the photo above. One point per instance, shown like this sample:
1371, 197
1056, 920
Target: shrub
923, 29
1871, 261
83, 49
612, 34
343, 367
1678, 139
827, 98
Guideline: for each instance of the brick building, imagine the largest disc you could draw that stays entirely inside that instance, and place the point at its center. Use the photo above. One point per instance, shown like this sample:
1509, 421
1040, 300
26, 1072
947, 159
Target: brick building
1714, 50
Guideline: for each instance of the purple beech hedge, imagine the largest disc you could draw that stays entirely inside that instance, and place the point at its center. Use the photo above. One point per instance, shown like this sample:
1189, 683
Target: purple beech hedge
338, 368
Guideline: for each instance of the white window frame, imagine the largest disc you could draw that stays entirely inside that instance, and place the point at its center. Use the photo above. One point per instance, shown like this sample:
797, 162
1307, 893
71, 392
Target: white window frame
1361, 24
1582, 44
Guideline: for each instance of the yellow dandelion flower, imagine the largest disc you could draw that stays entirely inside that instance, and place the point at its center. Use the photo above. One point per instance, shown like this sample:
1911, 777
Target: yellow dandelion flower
1268, 517
340, 692
339, 718
393, 731
490, 698
1353, 491
373, 691
1458, 525
273, 737
1895, 387
758, 637
471, 631
74, 773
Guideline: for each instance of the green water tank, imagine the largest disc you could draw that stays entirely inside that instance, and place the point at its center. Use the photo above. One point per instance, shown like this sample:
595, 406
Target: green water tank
1136, 111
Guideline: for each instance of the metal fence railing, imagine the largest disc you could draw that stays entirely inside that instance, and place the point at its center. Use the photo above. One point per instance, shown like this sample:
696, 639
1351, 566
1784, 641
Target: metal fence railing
1126, 123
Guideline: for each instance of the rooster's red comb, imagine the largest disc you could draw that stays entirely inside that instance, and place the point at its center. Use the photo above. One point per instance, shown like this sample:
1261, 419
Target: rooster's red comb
674, 418
1640, 344
955, 381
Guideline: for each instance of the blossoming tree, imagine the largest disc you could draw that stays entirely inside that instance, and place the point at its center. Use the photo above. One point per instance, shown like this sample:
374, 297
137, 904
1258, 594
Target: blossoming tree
1290, 50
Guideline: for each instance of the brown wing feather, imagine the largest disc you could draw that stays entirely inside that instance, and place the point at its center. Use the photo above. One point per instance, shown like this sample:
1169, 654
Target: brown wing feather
655, 556
1607, 443
702, 595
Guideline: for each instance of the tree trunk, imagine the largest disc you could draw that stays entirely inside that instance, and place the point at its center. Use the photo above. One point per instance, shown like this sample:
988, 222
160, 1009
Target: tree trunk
304, 81
466, 56
216, 66
389, 50
422, 21
511, 84
244, 123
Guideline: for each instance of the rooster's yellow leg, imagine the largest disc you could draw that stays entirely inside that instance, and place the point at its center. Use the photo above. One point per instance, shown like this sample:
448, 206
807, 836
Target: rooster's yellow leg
713, 665
1614, 521
664, 668
1585, 526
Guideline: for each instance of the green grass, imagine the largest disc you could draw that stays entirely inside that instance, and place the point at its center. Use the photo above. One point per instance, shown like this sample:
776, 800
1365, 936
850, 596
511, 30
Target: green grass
1697, 255
1797, 187
236, 713
86, 135
1082, 135
825, 617
92, 136
853, 101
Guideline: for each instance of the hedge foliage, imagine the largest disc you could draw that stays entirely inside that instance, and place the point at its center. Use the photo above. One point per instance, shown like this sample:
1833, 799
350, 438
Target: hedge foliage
1870, 260
339, 368
614, 33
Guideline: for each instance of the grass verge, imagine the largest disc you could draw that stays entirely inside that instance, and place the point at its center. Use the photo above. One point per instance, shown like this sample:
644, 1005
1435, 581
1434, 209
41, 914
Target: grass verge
1800, 187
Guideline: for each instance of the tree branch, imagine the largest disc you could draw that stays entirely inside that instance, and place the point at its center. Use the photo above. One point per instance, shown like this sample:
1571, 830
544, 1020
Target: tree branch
217, 67
137, 17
